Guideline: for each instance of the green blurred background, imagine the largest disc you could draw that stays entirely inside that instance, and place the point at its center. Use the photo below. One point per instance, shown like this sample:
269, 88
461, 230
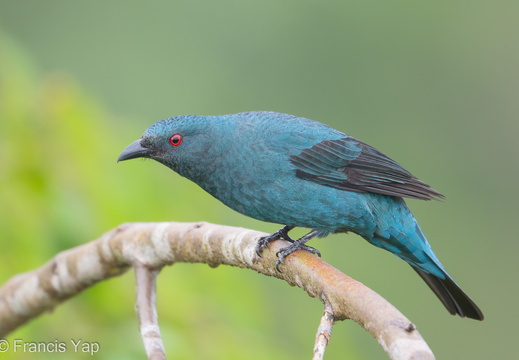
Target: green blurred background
432, 84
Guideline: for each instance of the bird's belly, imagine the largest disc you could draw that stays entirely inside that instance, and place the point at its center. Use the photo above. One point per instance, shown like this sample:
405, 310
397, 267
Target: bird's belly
303, 204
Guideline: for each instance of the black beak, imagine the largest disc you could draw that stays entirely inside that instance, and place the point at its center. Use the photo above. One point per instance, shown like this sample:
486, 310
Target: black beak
134, 150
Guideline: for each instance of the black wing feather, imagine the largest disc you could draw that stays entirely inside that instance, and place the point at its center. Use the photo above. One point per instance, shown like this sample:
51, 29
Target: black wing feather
352, 165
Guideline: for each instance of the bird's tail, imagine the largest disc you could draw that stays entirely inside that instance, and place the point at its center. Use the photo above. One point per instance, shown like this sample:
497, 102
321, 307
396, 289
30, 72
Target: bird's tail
451, 295
413, 248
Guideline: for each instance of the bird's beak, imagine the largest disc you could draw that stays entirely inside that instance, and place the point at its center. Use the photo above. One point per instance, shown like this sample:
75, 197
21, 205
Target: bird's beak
134, 150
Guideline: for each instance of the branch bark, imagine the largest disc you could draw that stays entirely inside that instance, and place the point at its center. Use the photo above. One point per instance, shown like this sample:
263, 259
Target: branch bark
154, 245
324, 331
146, 281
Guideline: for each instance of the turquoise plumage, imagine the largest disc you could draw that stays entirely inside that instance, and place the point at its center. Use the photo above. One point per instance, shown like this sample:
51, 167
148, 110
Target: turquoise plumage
300, 173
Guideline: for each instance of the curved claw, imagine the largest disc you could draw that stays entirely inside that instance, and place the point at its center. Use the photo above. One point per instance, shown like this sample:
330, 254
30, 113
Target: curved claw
284, 252
312, 250
279, 262
263, 242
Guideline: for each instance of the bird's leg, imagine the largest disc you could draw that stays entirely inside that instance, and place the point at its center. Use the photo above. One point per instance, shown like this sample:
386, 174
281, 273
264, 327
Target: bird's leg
280, 234
299, 244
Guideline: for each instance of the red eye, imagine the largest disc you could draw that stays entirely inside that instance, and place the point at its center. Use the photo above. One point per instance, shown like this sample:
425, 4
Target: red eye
175, 140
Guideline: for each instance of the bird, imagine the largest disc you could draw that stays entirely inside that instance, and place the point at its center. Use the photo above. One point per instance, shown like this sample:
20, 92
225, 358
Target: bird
290, 170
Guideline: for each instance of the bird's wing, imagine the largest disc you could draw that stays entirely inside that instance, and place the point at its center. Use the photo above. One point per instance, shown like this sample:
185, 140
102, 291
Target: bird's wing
349, 164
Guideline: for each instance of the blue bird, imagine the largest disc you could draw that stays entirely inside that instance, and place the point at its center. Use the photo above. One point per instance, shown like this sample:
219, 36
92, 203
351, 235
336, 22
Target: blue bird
297, 172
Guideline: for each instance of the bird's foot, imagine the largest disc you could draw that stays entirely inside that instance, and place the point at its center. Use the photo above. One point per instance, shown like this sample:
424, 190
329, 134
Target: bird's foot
296, 245
299, 244
264, 241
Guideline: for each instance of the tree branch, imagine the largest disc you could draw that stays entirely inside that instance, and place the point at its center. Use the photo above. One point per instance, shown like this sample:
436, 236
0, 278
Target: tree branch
145, 279
153, 245
324, 331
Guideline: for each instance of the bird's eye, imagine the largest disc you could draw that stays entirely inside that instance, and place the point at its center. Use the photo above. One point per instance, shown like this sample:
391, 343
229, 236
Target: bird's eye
175, 140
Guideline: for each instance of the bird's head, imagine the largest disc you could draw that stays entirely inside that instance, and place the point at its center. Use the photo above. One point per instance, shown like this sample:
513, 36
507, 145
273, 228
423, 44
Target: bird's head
182, 143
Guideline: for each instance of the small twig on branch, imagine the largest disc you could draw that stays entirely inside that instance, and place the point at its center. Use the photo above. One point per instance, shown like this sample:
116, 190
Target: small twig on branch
146, 308
154, 245
324, 331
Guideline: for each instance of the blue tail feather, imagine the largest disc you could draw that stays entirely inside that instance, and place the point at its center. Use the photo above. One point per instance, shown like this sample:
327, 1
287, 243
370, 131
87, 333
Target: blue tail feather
416, 251
412, 248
